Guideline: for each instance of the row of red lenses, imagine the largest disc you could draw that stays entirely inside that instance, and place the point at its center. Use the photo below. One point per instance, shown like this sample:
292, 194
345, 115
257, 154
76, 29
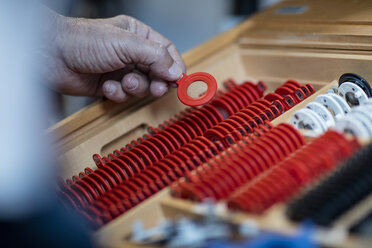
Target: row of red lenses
289, 94
225, 103
220, 176
296, 90
123, 164
259, 112
291, 174
150, 181
238, 96
243, 122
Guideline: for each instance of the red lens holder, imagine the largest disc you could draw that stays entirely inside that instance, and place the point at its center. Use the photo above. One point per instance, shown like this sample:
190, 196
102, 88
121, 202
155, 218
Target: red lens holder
233, 168
292, 173
187, 80
238, 118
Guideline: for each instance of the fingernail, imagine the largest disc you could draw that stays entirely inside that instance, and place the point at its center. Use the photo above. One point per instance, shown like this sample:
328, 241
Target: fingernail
161, 90
132, 83
175, 71
110, 88
173, 85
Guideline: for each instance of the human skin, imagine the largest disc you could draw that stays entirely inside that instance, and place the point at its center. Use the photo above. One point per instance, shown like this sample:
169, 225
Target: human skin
114, 57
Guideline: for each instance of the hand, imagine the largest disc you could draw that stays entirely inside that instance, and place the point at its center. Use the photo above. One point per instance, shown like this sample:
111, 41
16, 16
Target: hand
114, 57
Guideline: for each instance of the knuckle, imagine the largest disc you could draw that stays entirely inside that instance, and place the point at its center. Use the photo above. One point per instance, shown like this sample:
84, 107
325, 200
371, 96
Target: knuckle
162, 52
130, 23
123, 21
121, 17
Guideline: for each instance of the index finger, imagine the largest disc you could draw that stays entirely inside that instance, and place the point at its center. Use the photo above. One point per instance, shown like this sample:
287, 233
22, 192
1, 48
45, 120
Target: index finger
135, 26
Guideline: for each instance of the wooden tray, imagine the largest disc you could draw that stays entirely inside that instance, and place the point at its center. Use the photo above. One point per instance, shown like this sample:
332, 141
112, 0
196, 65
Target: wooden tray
328, 39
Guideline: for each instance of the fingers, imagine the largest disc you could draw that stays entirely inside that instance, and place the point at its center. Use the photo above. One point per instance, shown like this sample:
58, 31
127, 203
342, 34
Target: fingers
147, 33
157, 59
177, 56
113, 91
158, 87
144, 31
135, 83
158, 38
134, 49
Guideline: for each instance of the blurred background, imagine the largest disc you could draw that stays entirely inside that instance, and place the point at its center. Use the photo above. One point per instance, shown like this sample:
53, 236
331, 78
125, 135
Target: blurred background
187, 23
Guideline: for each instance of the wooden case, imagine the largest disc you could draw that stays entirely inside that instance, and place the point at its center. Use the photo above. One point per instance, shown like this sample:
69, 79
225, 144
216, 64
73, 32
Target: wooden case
309, 41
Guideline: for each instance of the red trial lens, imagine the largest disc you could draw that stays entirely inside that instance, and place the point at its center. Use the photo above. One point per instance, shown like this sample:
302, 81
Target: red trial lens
187, 80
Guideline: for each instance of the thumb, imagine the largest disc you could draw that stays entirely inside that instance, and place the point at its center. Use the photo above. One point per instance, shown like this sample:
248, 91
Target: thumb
152, 55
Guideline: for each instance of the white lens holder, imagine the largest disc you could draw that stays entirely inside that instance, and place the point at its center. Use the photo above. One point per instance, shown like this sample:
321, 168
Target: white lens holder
368, 102
352, 93
333, 109
349, 124
358, 122
365, 110
333, 89
364, 120
345, 107
322, 112
366, 107
331, 104
309, 120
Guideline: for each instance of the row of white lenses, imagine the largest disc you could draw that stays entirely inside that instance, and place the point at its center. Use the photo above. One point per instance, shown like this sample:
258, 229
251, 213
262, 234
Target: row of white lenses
358, 122
332, 110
